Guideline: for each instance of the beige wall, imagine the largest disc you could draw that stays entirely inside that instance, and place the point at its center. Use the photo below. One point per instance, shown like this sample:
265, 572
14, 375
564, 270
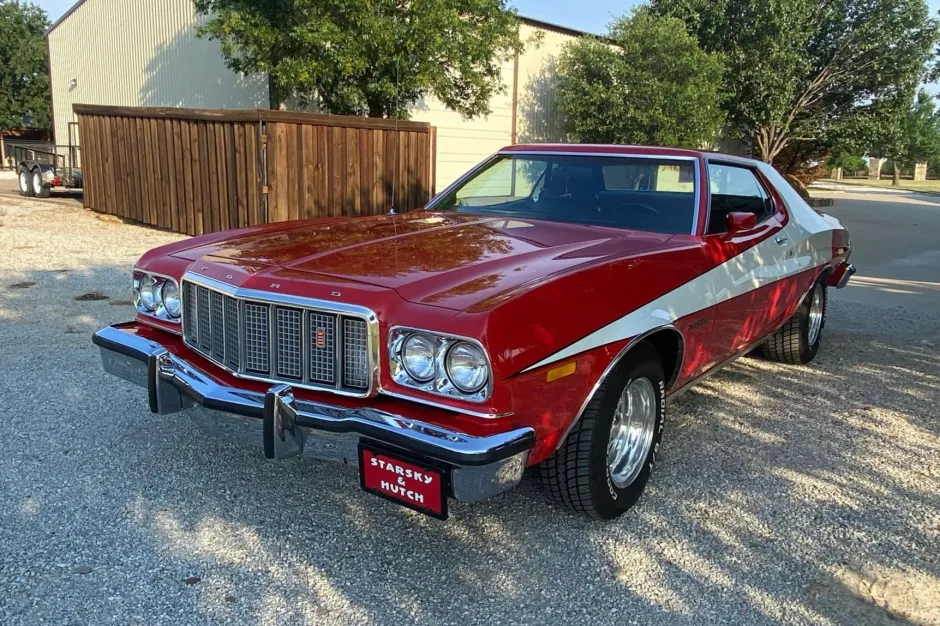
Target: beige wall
538, 118
141, 53
461, 143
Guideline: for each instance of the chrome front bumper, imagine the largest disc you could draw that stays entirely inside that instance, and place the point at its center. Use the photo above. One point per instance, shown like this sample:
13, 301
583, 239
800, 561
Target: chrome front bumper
479, 467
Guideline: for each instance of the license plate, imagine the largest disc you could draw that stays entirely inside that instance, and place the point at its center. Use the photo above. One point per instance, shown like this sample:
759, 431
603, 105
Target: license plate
407, 482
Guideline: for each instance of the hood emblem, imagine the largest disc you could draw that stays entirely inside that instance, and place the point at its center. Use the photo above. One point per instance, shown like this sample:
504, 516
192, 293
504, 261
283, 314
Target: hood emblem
228, 277
335, 294
275, 286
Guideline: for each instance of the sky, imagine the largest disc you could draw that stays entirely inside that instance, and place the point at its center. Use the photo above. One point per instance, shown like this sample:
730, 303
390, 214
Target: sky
592, 16
562, 12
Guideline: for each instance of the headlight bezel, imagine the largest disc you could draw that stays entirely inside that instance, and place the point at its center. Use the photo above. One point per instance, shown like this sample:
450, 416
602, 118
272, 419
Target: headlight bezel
158, 310
441, 384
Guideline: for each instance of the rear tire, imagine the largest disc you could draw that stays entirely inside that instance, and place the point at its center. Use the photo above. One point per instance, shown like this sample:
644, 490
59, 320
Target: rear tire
25, 181
39, 189
798, 340
579, 475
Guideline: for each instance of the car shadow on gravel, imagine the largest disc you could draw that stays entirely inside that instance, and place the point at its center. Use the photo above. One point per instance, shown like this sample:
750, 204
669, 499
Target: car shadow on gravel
776, 485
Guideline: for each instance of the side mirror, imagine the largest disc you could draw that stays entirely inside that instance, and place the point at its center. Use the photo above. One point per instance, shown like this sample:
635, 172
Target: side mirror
740, 221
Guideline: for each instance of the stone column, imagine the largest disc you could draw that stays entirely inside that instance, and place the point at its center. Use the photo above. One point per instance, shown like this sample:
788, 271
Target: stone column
836, 173
874, 168
920, 171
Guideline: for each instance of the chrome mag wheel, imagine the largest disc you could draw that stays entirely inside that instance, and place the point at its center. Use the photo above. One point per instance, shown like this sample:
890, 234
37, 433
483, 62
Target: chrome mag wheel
631, 433
816, 309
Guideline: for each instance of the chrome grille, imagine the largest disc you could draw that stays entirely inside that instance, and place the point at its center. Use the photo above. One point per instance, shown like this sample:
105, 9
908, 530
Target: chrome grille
277, 342
322, 347
232, 350
256, 338
218, 322
355, 353
202, 314
289, 355
189, 301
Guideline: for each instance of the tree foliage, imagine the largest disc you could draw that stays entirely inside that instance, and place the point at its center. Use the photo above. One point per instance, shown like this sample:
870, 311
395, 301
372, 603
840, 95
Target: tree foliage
848, 162
369, 57
24, 66
648, 83
795, 66
903, 131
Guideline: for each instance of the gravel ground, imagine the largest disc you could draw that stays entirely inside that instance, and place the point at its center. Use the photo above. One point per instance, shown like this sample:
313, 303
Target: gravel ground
796, 495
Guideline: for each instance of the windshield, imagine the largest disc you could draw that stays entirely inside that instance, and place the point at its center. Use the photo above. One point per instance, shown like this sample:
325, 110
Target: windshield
650, 194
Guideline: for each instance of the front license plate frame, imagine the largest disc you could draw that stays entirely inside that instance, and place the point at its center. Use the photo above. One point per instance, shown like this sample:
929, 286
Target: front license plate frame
369, 450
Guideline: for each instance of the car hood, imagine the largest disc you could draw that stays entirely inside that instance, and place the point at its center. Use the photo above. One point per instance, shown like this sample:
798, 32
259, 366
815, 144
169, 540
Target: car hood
445, 260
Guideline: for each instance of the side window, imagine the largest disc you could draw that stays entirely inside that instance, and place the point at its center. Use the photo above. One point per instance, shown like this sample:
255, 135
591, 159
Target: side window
735, 190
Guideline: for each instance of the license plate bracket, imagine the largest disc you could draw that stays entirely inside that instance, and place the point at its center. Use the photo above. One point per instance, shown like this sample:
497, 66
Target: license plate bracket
403, 479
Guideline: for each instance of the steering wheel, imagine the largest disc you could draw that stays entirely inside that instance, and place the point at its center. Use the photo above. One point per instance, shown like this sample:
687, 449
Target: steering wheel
638, 205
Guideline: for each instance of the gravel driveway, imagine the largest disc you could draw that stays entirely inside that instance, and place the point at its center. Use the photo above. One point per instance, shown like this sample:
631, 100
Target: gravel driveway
797, 495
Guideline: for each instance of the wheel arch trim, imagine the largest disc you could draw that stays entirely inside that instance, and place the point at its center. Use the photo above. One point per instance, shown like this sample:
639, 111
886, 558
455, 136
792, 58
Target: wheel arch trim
632, 343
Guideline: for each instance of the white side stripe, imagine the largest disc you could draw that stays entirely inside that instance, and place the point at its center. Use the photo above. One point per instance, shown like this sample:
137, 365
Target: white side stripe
808, 245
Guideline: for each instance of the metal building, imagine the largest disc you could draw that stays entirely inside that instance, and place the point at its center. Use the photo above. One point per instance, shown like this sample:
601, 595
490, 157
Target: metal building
146, 53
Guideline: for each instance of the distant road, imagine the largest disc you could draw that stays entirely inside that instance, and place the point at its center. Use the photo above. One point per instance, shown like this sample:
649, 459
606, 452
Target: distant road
896, 243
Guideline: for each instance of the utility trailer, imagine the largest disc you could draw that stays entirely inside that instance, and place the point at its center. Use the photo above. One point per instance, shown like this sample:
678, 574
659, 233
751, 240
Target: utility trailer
44, 167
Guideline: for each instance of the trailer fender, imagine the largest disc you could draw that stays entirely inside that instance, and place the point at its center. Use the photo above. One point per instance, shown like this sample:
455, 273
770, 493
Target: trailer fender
45, 168
48, 171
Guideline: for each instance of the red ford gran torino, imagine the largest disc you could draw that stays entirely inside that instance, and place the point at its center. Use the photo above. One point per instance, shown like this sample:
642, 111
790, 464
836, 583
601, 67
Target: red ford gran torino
537, 313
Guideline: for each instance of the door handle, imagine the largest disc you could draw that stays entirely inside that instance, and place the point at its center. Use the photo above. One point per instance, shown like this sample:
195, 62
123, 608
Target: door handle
781, 239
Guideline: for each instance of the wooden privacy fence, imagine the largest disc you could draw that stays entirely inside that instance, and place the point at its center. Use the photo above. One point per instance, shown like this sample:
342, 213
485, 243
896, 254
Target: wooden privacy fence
200, 171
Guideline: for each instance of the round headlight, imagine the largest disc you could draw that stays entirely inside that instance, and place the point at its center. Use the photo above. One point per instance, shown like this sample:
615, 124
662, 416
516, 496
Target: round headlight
171, 298
147, 292
417, 357
467, 367
158, 294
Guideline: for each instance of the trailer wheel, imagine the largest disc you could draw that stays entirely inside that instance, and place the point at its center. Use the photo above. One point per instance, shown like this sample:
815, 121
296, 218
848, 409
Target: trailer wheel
26, 187
39, 190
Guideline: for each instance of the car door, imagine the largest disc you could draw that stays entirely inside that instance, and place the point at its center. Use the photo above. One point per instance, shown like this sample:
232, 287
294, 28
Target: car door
749, 261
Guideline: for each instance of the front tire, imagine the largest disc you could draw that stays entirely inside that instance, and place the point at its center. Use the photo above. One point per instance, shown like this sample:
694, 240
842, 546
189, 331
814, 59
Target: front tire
25, 181
602, 467
39, 189
799, 339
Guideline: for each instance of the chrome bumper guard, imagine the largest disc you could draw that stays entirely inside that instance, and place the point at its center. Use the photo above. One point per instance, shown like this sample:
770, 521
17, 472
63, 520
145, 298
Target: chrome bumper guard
480, 466
846, 275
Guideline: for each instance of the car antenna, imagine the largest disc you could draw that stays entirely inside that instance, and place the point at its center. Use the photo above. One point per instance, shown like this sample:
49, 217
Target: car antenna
391, 210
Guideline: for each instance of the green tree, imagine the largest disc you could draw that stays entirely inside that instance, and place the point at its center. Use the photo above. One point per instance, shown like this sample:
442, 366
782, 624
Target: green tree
905, 132
24, 67
795, 66
647, 83
369, 57
848, 162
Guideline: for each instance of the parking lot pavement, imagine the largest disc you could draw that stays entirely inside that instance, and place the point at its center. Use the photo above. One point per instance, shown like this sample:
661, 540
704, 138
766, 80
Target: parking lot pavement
897, 248
784, 494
